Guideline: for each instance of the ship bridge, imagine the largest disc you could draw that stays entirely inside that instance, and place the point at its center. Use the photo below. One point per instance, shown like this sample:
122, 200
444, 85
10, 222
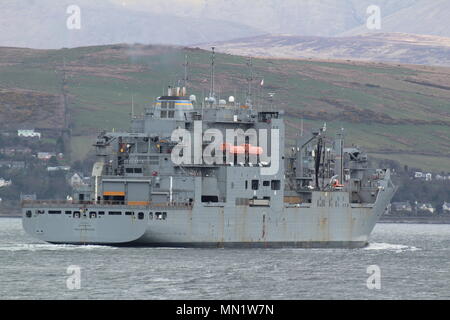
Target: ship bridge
174, 106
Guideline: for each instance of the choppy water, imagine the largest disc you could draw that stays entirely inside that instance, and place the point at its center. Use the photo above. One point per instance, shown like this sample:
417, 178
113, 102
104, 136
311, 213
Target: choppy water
414, 261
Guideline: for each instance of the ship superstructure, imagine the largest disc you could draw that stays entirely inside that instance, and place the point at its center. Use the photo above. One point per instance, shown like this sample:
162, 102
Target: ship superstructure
217, 173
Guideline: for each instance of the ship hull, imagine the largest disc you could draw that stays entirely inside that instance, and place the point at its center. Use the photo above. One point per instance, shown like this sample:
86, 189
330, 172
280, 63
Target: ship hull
329, 222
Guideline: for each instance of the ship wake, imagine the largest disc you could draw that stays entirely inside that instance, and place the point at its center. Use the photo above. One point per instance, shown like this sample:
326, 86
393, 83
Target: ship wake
390, 247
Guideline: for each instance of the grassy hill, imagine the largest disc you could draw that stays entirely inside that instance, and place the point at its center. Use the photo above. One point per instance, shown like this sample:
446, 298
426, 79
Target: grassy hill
399, 112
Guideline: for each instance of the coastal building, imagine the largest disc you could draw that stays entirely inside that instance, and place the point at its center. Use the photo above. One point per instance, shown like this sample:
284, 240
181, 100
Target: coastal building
45, 155
446, 207
425, 208
26, 133
28, 197
12, 164
401, 207
418, 175
58, 168
76, 180
4, 183
10, 151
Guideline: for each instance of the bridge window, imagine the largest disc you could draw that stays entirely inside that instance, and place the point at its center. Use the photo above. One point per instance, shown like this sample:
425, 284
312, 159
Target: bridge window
68, 212
210, 199
160, 215
29, 214
54, 212
115, 213
76, 214
128, 213
140, 215
150, 215
167, 109
255, 184
133, 170
276, 184
266, 183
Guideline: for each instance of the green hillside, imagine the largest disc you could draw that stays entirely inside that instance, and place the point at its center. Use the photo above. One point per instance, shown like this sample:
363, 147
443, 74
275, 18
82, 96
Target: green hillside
397, 112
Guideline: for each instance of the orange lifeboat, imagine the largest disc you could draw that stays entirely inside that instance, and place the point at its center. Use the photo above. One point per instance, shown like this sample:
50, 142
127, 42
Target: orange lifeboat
253, 150
337, 185
242, 149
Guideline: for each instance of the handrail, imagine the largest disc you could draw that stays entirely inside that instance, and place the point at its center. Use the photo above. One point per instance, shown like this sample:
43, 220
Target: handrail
103, 202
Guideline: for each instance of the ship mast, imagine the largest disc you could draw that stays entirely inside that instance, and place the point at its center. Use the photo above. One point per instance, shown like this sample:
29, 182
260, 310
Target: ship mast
249, 81
186, 64
211, 91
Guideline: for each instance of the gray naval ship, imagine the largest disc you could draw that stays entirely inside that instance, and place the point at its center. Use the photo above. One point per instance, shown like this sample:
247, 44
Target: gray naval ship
173, 181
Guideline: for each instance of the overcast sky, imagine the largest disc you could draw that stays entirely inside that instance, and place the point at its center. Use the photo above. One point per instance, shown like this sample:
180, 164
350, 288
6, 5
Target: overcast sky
71, 23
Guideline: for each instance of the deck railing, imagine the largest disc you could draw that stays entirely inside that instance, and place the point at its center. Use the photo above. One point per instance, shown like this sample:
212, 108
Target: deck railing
71, 203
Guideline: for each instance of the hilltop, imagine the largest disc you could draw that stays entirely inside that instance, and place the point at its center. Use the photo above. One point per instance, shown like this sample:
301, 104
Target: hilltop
395, 111
386, 47
42, 24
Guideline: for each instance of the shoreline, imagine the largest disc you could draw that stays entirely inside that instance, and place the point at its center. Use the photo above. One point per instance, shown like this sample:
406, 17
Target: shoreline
416, 220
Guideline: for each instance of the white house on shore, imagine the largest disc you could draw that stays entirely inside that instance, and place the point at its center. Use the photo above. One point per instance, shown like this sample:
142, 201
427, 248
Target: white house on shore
26, 133
45, 155
425, 207
446, 207
76, 180
4, 183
